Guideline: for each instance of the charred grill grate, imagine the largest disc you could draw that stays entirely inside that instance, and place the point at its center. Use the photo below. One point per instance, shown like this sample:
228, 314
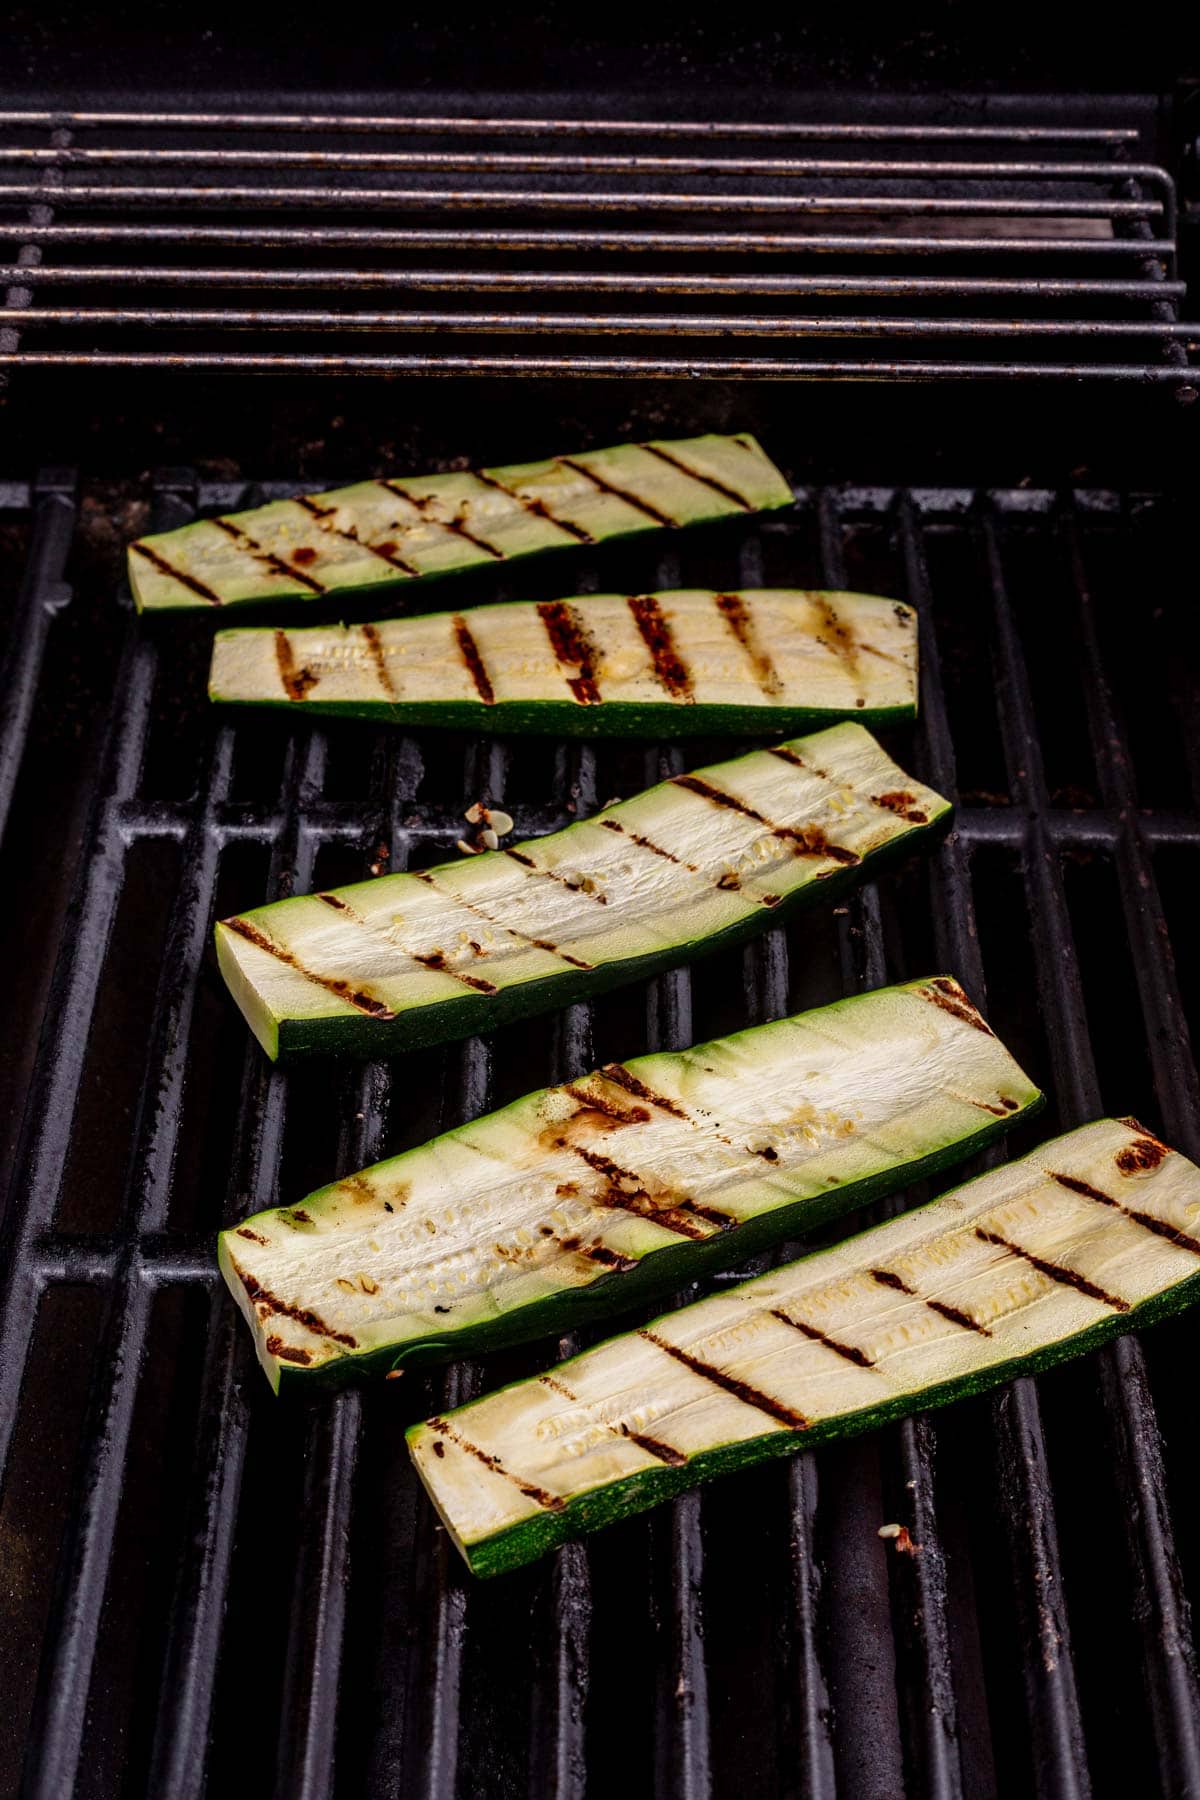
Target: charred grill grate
450, 245
234, 1595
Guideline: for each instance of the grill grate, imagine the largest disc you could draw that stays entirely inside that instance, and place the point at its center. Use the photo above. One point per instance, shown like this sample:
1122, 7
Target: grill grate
898, 251
758, 1636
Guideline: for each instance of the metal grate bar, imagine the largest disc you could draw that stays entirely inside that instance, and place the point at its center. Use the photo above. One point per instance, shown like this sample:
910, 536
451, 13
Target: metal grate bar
43, 594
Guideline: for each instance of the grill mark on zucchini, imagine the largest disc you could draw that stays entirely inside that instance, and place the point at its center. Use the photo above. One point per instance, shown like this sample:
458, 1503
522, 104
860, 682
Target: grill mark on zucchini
536, 868
522, 937
670, 670
296, 680
844, 644
570, 645
947, 994
275, 1346
886, 1278
598, 1104
261, 554
610, 487
385, 552
664, 1453
300, 1315
1146, 1154
1055, 1271
165, 568
538, 508
625, 1078
432, 959
671, 1215
423, 502
469, 651
903, 804
374, 643
741, 1390
530, 1489
356, 997
811, 841
708, 481
1160, 1227
740, 620
851, 1354
645, 843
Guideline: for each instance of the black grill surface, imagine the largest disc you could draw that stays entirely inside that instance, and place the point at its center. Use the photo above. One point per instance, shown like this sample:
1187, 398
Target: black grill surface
208, 1590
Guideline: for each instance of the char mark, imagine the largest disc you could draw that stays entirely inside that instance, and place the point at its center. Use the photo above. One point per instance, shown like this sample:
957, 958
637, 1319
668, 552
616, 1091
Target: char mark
424, 501
664, 1453
598, 1104
740, 1390
276, 564
534, 868
521, 937
270, 1304
569, 642
1054, 1271
385, 552
636, 837
531, 1491
618, 493
886, 1278
285, 1352
626, 1192
670, 670
1146, 1154
949, 996
296, 679
244, 1231
849, 1351
361, 1001
538, 508
374, 644
165, 568
1160, 1227
903, 804
708, 481
436, 961
622, 1077
807, 840
737, 615
469, 651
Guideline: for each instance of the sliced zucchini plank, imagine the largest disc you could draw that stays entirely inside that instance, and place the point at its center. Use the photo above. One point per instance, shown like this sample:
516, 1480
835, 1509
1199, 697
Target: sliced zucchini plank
675, 663
699, 861
578, 1199
378, 533
1093, 1234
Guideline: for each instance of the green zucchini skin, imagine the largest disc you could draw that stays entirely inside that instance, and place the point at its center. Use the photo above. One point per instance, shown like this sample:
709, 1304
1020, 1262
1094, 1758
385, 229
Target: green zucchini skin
680, 662
300, 1016
778, 1128
588, 1511
376, 536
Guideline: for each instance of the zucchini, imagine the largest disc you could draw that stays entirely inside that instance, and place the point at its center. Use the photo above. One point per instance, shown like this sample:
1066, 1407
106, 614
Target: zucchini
667, 664
378, 533
580, 1199
697, 862
1093, 1234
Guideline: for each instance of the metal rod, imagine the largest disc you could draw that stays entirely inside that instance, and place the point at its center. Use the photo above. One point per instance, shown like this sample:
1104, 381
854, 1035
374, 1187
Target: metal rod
567, 281
434, 199
601, 324
707, 368
500, 126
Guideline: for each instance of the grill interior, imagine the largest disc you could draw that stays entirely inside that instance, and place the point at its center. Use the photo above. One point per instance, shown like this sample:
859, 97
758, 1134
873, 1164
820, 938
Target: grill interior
410, 242
233, 1594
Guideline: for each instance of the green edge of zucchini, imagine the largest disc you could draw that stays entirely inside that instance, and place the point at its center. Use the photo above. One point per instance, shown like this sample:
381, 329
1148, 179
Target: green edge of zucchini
701, 861
380, 534
675, 663
580, 1199
1126, 1205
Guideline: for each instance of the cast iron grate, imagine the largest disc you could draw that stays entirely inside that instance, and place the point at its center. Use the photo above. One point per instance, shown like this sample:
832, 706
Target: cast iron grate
231, 1595
530, 246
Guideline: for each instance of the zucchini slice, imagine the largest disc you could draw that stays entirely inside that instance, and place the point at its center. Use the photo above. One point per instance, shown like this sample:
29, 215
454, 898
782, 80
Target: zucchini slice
668, 664
378, 533
1093, 1234
580, 1199
697, 862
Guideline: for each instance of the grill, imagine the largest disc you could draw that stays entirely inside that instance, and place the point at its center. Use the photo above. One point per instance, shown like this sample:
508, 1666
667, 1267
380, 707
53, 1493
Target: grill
418, 244
212, 1592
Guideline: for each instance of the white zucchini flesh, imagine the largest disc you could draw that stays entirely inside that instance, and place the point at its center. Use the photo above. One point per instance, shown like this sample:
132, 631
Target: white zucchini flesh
1093, 1233
463, 1241
752, 650
644, 884
399, 529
